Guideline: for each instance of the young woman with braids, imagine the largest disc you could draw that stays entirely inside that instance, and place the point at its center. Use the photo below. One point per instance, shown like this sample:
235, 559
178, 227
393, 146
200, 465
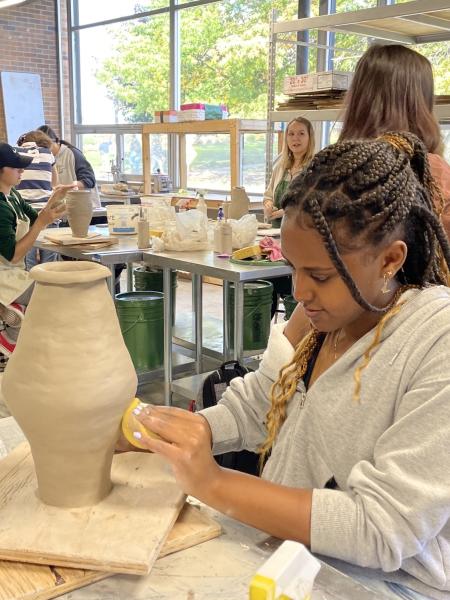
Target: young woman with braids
355, 432
393, 90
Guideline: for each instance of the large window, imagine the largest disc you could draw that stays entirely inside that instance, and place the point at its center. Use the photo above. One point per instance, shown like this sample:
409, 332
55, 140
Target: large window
133, 57
123, 74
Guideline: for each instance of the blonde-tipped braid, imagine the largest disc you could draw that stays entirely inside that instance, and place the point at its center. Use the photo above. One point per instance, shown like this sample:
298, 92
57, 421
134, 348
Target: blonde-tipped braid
395, 308
284, 388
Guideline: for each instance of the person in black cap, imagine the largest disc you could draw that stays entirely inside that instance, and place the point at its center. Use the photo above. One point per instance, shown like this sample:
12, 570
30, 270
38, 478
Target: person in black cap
20, 225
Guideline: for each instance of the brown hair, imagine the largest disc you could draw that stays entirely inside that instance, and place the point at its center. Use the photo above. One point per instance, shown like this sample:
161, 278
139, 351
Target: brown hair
39, 137
392, 90
369, 189
286, 155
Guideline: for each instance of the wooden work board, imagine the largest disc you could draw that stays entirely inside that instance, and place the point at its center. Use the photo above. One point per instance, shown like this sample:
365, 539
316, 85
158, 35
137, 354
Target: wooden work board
21, 581
123, 533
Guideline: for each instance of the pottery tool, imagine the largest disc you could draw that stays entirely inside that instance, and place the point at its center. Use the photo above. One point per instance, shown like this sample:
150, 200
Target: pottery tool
287, 575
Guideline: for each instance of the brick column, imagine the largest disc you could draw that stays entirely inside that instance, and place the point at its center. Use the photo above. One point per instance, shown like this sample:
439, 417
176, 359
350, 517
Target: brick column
28, 44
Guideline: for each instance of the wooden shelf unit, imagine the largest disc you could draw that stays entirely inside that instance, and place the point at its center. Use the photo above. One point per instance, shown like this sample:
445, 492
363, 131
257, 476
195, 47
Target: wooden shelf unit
233, 127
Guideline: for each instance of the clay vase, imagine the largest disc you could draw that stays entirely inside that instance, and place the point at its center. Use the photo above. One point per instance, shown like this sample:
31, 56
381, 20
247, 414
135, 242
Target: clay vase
69, 381
79, 211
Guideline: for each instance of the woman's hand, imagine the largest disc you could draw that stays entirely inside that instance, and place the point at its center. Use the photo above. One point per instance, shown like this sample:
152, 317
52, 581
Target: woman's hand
186, 444
268, 208
276, 214
55, 207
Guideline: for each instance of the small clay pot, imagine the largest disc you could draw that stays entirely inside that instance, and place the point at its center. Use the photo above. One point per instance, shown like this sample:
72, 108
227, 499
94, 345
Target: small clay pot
79, 211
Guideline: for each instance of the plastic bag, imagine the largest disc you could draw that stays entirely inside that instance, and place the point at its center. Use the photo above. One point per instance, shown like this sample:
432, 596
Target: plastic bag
159, 213
244, 231
189, 232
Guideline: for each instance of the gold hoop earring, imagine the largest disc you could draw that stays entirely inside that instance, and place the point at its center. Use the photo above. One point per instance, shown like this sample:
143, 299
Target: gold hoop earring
386, 277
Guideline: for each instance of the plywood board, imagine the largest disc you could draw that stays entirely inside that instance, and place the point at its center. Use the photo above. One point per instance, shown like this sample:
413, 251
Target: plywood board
122, 534
38, 582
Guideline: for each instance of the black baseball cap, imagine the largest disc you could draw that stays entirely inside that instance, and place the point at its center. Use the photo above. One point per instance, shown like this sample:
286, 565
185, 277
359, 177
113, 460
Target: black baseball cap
9, 157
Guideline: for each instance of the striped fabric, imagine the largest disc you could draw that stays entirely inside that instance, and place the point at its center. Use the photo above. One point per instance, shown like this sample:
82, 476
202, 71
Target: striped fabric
36, 183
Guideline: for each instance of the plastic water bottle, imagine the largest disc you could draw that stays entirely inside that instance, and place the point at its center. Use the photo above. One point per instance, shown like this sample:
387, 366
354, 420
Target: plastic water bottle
201, 204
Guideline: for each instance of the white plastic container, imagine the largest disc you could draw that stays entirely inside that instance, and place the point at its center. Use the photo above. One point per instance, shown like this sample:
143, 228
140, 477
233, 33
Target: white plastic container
122, 219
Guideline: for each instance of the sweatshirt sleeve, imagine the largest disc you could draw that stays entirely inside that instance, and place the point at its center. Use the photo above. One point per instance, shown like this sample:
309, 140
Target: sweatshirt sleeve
83, 170
238, 420
396, 504
7, 232
440, 171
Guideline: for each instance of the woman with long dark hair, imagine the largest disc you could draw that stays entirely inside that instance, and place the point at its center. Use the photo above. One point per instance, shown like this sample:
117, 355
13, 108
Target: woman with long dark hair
393, 90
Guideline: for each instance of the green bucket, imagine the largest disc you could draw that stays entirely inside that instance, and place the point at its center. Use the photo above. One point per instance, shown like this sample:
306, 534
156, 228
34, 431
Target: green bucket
146, 279
141, 318
257, 303
289, 304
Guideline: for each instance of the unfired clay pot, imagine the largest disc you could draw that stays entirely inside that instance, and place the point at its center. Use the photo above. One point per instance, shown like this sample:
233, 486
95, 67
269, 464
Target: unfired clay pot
69, 381
79, 211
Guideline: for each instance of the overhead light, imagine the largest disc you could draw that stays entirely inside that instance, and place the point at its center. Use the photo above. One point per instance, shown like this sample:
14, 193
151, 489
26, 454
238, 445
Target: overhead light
6, 3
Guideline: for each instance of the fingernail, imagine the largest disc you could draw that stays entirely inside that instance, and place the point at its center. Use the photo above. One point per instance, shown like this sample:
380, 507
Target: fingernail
137, 411
137, 435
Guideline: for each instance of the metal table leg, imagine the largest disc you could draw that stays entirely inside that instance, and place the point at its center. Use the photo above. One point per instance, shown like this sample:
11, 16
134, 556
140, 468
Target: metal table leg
238, 351
111, 281
197, 299
168, 300
129, 277
226, 315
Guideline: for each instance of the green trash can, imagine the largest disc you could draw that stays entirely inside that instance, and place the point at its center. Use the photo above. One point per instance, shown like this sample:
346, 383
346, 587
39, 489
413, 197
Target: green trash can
147, 279
141, 318
289, 304
257, 304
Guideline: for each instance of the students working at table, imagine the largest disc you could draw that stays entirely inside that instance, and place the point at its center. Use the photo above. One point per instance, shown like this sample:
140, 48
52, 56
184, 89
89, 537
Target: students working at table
20, 226
355, 431
37, 181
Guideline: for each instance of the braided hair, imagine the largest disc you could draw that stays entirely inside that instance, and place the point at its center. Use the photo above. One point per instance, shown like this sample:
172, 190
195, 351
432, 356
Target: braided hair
372, 188
365, 190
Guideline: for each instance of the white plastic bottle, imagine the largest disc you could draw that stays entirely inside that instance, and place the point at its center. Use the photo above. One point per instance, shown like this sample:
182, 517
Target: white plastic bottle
143, 232
226, 234
201, 204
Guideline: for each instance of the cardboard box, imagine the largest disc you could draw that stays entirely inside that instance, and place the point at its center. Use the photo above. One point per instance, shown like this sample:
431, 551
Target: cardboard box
191, 114
315, 82
212, 111
165, 116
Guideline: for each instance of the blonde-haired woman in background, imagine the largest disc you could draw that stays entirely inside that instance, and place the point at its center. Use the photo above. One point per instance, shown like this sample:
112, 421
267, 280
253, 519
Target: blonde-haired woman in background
298, 150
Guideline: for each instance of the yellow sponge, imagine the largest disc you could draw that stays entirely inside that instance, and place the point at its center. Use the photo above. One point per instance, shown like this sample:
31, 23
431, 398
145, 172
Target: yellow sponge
130, 424
247, 252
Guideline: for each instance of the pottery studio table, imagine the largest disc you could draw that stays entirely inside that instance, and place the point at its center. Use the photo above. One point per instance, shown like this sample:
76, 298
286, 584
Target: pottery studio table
200, 264
219, 569
125, 251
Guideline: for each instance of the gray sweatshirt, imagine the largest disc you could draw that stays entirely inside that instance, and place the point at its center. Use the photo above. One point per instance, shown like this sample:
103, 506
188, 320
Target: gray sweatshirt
389, 454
